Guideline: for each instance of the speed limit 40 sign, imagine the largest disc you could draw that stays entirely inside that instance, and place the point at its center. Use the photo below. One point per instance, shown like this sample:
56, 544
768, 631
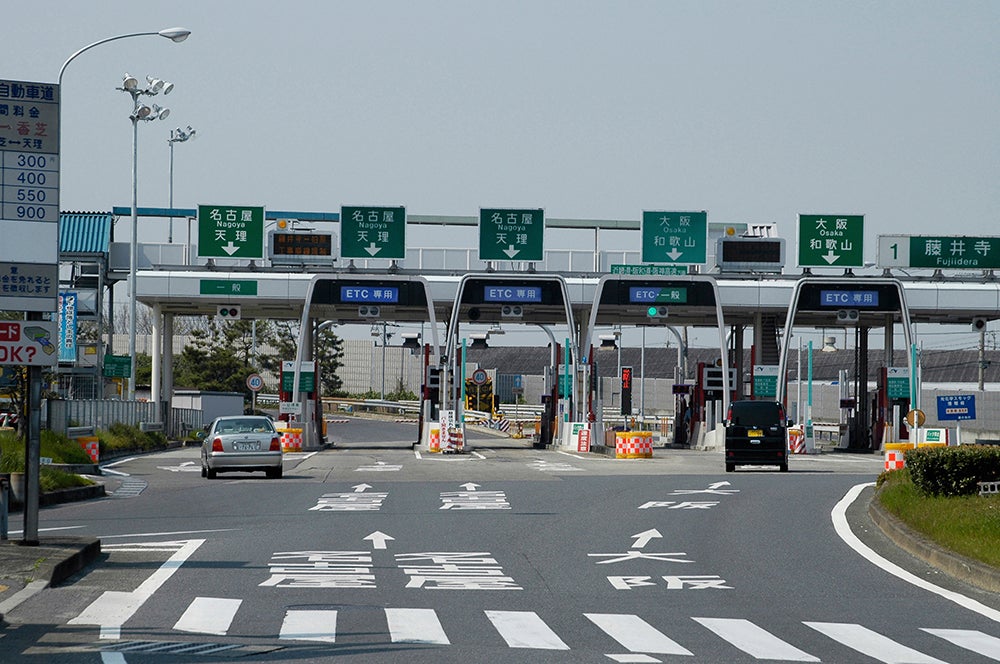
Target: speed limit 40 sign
255, 382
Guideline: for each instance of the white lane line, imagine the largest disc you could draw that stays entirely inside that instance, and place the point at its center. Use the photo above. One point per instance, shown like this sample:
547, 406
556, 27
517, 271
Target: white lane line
970, 639
478, 455
872, 644
839, 516
172, 532
112, 658
570, 454
416, 454
209, 615
113, 608
636, 634
309, 625
45, 530
416, 626
755, 641
524, 629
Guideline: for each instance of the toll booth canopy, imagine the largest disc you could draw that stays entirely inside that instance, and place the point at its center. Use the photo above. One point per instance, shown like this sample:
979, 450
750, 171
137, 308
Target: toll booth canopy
486, 299
388, 297
646, 301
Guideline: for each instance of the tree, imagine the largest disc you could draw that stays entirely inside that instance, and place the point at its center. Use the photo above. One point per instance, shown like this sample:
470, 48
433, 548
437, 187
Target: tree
329, 350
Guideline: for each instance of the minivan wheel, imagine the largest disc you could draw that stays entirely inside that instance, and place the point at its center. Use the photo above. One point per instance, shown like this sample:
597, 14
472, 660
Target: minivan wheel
730, 467
784, 467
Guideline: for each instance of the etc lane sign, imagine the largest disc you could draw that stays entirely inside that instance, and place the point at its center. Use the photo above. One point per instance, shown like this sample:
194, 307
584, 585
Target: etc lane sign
674, 237
511, 234
373, 232
230, 231
954, 252
28, 343
831, 240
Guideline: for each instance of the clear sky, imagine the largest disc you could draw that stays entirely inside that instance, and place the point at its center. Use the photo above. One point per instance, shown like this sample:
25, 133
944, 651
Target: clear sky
754, 111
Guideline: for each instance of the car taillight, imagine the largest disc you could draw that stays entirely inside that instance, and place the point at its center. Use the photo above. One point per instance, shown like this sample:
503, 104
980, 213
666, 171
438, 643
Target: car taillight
276, 444
217, 445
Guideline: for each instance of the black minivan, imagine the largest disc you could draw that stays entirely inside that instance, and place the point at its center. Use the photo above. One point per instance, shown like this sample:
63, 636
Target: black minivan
756, 433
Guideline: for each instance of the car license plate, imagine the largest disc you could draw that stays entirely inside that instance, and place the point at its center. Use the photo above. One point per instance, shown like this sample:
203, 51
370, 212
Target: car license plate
755, 433
246, 447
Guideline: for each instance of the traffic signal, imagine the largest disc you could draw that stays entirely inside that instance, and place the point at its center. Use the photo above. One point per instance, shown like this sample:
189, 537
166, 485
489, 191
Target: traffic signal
228, 312
369, 311
847, 316
657, 311
512, 311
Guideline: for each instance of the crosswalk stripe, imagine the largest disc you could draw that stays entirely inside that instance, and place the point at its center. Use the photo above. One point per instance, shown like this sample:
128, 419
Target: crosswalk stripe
755, 641
524, 629
873, 644
209, 615
970, 639
309, 625
636, 634
415, 626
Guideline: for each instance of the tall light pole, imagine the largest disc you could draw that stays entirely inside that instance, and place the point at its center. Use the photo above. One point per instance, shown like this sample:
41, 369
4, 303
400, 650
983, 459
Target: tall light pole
176, 136
175, 35
140, 111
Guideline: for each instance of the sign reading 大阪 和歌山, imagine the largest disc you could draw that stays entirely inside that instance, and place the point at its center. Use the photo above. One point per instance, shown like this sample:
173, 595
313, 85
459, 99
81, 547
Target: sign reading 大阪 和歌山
231, 231
831, 240
674, 237
948, 252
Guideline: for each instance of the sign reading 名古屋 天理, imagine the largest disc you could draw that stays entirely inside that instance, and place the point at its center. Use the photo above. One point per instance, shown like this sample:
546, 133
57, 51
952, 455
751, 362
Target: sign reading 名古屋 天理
230, 231
373, 232
951, 252
831, 240
511, 234
674, 237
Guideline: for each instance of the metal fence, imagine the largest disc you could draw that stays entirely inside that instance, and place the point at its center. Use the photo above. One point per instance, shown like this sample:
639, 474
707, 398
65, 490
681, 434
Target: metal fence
60, 414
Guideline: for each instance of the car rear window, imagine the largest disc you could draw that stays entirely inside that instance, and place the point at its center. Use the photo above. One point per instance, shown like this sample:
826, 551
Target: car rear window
756, 413
245, 426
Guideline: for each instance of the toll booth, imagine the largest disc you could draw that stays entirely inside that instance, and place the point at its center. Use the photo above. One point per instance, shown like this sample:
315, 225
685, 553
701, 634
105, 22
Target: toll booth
685, 300
531, 299
860, 304
351, 298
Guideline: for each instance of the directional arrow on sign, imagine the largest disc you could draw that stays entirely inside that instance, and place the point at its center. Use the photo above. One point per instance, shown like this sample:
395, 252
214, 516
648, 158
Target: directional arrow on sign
378, 539
674, 254
360, 488
831, 257
230, 248
511, 252
372, 249
643, 538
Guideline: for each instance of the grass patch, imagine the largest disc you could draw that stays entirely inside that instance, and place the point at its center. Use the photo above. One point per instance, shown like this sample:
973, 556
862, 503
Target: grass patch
967, 525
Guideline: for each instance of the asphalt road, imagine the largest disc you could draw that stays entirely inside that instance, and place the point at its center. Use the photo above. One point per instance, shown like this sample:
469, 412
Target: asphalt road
371, 551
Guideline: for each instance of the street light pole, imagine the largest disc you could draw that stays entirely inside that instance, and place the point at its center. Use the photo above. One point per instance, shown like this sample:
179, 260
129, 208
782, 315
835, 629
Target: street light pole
176, 136
146, 113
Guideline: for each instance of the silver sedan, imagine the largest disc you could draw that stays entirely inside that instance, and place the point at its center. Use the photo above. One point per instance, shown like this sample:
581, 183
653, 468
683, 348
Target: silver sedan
241, 443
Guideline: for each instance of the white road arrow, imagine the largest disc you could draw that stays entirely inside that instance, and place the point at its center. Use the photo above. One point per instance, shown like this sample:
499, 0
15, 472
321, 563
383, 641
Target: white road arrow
470, 486
230, 248
378, 539
674, 254
511, 252
718, 485
360, 488
642, 539
372, 249
831, 257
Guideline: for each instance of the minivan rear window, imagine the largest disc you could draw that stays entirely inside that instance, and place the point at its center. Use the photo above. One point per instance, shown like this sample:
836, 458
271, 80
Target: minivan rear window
756, 413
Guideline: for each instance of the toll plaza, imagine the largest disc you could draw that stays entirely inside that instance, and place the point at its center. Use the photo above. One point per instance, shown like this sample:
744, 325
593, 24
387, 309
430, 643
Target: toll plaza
682, 300
542, 301
348, 298
859, 304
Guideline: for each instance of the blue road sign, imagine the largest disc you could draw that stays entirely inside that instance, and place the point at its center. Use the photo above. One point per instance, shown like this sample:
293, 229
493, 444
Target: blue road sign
957, 407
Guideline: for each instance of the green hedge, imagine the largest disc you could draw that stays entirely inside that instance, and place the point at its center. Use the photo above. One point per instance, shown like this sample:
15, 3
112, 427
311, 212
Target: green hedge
129, 438
953, 471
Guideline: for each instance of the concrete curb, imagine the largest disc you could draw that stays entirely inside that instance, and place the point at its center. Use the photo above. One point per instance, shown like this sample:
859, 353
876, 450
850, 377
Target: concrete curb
954, 565
49, 563
61, 496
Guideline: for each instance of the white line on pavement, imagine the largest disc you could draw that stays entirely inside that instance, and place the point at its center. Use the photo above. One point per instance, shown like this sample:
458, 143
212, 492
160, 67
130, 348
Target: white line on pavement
843, 528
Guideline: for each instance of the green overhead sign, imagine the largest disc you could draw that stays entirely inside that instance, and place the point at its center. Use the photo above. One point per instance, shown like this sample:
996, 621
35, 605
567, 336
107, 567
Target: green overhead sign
946, 252
373, 232
511, 234
831, 240
674, 237
230, 231
236, 287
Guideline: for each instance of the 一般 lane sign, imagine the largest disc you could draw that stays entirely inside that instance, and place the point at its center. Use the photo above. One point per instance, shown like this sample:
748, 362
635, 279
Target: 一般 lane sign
230, 231
373, 232
954, 252
674, 237
831, 240
511, 234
